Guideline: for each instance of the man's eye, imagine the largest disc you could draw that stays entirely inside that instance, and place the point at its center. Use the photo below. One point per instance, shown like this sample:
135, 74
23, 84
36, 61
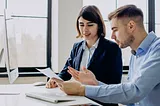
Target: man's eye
114, 30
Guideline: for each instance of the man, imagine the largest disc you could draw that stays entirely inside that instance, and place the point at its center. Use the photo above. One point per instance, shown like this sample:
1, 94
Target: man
143, 88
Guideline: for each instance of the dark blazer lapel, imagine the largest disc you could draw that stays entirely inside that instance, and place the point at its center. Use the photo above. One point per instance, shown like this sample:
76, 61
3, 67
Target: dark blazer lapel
79, 58
97, 53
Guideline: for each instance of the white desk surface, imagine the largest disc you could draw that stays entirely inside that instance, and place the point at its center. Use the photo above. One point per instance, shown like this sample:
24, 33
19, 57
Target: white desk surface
22, 100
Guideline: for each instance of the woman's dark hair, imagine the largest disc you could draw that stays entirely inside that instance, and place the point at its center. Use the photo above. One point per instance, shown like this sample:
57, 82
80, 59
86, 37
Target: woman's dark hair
92, 13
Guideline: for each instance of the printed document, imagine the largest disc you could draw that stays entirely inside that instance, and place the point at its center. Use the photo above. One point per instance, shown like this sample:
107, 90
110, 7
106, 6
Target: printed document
49, 73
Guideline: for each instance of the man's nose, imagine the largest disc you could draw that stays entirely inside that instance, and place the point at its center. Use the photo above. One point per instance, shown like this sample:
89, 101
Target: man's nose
113, 36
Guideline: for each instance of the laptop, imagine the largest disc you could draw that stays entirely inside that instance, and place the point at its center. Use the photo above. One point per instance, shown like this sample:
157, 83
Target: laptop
50, 97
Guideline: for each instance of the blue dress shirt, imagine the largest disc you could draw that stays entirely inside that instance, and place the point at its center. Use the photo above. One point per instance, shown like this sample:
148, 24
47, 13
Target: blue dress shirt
143, 88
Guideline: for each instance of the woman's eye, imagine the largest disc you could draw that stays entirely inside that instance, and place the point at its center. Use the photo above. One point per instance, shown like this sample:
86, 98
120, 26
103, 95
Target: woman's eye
90, 25
81, 25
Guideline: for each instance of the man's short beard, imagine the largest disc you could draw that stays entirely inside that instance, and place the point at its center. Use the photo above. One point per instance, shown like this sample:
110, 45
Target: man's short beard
128, 42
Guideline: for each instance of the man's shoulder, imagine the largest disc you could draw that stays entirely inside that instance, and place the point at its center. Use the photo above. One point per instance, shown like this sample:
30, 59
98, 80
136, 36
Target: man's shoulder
155, 44
155, 47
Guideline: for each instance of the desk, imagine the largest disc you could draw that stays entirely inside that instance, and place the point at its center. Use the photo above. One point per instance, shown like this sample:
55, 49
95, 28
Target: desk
22, 100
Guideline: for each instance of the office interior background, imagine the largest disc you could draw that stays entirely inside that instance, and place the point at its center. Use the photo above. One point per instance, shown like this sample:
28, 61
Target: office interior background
45, 30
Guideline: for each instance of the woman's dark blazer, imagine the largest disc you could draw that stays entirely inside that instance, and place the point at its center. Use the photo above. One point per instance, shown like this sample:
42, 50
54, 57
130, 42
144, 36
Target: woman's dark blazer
106, 63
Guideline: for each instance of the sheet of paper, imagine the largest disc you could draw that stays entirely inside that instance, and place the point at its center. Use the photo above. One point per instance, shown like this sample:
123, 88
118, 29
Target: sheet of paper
49, 73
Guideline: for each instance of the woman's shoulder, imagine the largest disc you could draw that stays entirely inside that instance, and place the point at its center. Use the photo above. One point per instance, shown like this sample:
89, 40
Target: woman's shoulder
78, 43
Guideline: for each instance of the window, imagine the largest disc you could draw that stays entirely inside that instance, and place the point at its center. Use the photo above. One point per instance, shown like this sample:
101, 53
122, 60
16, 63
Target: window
32, 26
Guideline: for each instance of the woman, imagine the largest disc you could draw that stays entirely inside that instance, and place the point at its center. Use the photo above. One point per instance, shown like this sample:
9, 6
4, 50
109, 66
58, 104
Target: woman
101, 56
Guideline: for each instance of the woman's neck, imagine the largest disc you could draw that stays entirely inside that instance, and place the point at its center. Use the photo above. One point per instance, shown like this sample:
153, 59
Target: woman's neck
90, 43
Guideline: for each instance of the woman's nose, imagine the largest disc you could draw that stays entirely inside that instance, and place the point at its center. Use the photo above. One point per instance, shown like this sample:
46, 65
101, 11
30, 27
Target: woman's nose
85, 28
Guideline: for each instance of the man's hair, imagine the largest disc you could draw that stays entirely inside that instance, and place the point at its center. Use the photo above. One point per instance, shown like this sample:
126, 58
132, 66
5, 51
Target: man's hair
128, 11
92, 13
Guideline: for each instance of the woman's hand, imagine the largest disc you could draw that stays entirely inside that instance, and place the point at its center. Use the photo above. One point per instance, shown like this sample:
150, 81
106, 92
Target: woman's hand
51, 83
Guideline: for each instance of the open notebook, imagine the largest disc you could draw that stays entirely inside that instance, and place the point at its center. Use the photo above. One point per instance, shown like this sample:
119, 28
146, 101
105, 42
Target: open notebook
50, 97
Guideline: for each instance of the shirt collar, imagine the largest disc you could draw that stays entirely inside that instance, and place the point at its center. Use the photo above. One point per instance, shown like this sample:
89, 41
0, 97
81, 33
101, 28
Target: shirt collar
146, 43
93, 46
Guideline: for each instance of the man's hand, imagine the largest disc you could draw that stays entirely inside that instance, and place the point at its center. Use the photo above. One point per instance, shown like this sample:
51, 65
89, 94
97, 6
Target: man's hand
85, 76
72, 88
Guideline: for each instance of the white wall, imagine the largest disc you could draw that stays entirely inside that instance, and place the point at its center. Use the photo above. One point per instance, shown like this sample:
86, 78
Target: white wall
64, 14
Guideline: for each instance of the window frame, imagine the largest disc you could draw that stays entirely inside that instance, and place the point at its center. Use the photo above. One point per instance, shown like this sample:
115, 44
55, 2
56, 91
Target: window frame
31, 71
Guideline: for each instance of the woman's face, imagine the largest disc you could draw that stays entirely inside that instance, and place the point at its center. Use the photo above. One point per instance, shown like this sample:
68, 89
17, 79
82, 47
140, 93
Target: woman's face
88, 29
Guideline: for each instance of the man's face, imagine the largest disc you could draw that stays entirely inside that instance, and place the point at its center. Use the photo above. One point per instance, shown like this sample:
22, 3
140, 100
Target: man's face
121, 33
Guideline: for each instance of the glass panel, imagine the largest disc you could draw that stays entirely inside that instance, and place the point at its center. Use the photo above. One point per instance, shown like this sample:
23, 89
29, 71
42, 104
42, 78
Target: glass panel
108, 30
2, 40
146, 26
157, 11
157, 30
104, 6
28, 7
31, 41
2, 6
30, 33
157, 18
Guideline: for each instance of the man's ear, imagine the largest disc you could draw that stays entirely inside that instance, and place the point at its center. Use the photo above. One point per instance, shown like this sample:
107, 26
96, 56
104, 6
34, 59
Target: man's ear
131, 25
